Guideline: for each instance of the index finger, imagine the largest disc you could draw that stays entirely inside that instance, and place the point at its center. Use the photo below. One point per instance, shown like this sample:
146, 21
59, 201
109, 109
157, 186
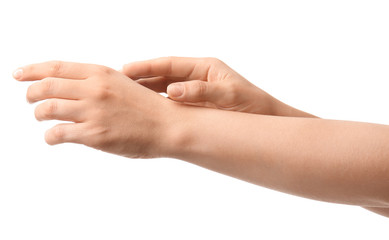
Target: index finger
179, 67
57, 69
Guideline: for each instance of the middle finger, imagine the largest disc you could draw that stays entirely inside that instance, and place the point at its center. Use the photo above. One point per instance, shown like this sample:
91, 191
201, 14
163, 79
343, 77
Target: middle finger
55, 88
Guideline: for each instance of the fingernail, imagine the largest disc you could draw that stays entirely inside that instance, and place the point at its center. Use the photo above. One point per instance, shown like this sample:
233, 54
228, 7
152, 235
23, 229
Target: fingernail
176, 89
18, 73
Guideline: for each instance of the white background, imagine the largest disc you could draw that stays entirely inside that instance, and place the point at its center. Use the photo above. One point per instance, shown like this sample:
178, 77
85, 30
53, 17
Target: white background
329, 58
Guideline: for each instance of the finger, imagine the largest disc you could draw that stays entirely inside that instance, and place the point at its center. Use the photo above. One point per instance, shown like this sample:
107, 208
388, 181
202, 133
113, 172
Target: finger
60, 109
55, 88
57, 69
181, 67
157, 84
65, 132
194, 91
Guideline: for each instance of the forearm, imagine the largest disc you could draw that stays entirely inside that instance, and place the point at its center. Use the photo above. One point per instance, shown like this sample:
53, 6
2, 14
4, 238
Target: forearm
335, 161
282, 109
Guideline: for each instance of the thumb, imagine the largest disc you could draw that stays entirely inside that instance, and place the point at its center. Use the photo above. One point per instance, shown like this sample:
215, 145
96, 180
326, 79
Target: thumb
191, 91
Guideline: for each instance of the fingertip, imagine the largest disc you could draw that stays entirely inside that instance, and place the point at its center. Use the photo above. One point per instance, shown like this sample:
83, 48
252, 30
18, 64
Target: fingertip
54, 135
124, 70
18, 74
175, 90
127, 65
48, 138
131, 70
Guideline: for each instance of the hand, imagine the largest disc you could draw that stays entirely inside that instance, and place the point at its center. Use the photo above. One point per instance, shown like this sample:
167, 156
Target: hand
108, 111
203, 82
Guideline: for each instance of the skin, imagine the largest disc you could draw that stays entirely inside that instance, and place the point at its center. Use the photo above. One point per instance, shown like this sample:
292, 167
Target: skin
328, 160
218, 86
207, 82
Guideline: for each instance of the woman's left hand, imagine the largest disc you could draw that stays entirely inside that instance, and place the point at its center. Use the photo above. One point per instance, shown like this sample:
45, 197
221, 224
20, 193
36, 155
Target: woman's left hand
106, 109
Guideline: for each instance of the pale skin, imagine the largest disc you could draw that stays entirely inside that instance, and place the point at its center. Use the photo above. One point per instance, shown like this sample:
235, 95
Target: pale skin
236, 128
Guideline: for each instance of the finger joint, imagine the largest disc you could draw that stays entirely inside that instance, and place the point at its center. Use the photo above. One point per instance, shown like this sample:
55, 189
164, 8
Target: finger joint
55, 68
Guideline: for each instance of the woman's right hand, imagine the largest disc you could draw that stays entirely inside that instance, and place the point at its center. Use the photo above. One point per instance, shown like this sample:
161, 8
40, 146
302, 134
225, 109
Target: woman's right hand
205, 82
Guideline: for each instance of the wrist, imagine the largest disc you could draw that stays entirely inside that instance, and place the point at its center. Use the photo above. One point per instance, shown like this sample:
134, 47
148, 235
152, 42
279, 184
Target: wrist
171, 134
183, 131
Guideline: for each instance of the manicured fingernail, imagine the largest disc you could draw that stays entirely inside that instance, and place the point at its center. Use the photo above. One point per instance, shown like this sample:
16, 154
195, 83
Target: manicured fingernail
176, 89
18, 73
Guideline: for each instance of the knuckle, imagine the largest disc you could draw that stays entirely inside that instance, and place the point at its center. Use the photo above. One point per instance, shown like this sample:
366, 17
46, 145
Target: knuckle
200, 89
46, 110
50, 109
57, 134
55, 67
102, 91
169, 60
48, 86
104, 70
